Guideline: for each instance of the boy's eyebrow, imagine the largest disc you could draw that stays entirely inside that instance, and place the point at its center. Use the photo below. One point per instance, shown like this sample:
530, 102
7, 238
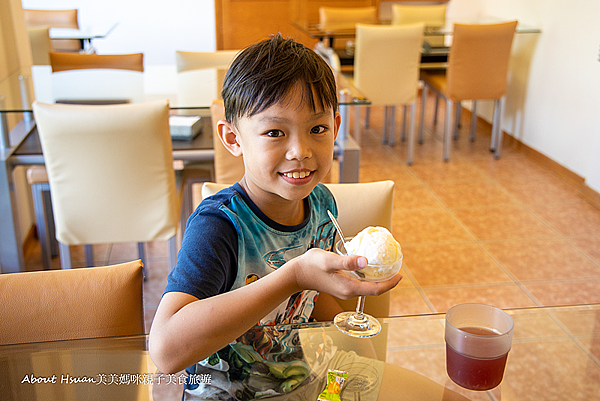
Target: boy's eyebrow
281, 119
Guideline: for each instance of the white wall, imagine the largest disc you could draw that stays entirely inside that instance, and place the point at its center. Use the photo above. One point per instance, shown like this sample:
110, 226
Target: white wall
552, 101
155, 27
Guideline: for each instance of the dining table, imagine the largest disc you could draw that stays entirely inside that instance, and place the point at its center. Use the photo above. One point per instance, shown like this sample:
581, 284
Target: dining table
189, 93
85, 34
554, 356
432, 57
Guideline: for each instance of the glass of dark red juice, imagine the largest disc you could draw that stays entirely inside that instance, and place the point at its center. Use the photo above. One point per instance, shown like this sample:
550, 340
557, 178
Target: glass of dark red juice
478, 338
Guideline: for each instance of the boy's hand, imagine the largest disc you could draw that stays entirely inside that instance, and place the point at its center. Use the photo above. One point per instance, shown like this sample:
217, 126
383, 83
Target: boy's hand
323, 271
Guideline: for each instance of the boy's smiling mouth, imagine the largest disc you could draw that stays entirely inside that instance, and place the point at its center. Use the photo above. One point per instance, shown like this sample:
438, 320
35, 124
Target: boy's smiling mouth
297, 174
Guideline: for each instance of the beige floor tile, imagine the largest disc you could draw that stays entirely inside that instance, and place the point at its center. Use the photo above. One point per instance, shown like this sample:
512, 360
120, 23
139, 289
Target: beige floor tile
592, 344
501, 296
589, 245
535, 325
431, 363
470, 193
503, 222
541, 191
384, 171
453, 264
427, 225
566, 293
515, 166
548, 259
456, 170
414, 196
573, 219
540, 371
582, 322
407, 302
412, 332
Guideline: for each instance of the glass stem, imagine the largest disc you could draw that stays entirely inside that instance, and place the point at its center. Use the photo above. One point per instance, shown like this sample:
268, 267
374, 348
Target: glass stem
360, 305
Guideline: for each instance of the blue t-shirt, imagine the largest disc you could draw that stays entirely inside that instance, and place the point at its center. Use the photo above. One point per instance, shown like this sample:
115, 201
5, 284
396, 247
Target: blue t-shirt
229, 243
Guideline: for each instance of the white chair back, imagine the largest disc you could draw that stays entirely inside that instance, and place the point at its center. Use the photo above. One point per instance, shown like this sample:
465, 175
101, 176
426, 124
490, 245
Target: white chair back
110, 170
387, 61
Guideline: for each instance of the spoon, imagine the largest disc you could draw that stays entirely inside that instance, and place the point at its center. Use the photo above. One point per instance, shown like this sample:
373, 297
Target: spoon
338, 228
357, 273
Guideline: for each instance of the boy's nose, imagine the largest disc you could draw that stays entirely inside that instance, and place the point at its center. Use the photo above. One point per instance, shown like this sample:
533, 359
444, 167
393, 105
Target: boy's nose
298, 150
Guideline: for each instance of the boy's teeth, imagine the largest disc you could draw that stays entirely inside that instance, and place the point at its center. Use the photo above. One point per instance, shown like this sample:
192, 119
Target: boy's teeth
297, 174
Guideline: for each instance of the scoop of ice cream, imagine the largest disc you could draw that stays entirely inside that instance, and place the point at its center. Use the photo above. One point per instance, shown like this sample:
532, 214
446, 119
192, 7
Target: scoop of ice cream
376, 244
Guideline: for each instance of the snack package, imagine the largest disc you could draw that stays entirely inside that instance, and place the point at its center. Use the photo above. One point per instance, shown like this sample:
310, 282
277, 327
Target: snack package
335, 382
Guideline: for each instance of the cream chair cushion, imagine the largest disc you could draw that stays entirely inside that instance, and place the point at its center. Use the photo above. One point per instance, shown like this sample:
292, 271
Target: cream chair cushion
71, 304
186, 61
387, 61
110, 170
339, 18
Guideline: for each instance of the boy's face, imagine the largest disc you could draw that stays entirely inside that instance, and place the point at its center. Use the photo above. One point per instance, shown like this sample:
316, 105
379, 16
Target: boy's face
287, 149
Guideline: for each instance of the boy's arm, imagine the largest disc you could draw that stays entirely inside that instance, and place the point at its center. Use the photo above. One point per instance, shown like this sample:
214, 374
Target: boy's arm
186, 330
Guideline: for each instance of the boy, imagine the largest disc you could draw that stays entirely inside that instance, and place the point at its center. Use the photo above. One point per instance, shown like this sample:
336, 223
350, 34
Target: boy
257, 252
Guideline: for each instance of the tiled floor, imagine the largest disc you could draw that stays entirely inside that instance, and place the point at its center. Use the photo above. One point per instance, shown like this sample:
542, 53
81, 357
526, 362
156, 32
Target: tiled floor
475, 229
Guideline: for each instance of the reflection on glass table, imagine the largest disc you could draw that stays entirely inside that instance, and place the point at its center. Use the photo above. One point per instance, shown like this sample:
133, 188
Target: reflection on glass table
554, 355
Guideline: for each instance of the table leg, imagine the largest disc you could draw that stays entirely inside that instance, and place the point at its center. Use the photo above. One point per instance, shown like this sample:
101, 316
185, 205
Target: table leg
11, 249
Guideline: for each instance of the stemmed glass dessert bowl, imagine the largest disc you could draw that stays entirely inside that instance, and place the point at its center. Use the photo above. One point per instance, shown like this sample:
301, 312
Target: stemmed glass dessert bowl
358, 323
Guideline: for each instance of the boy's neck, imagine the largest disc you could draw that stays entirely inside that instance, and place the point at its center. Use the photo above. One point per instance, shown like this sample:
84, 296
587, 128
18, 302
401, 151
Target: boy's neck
282, 211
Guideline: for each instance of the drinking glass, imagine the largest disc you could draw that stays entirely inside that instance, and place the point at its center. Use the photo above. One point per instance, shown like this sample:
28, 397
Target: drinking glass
478, 338
358, 323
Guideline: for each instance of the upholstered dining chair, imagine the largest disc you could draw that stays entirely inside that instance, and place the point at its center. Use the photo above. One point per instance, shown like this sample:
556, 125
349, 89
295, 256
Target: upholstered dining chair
336, 18
69, 61
123, 83
386, 69
186, 61
198, 172
432, 15
111, 176
41, 45
359, 206
477, 70
72, 304
344, 18
55, 19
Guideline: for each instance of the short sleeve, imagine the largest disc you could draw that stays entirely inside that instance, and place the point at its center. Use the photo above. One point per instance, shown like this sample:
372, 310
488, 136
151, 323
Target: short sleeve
207, 261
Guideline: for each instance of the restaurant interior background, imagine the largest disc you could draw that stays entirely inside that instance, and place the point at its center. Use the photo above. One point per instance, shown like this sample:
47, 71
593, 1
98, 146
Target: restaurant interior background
552, 101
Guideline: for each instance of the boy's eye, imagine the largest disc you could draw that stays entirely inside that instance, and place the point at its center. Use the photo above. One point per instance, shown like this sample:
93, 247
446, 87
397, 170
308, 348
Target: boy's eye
319, 129
274, 133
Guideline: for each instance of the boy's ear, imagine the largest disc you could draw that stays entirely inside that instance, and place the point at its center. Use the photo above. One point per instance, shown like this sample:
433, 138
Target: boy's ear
229, 138
338, 122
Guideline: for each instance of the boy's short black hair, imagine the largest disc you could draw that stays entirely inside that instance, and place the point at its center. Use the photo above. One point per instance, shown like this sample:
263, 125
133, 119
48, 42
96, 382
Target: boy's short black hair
263, 74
